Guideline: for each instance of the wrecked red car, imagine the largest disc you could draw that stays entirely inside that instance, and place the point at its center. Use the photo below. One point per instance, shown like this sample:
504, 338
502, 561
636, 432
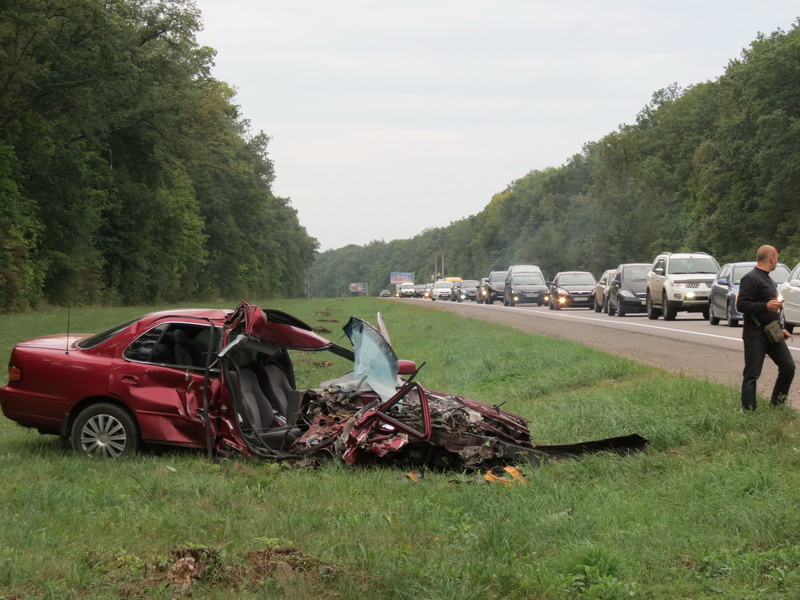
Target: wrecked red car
224, 381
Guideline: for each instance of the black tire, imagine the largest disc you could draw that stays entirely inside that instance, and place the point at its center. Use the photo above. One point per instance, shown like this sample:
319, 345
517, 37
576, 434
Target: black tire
620, 310
597, 307
611, 310
712, 317
669, 312
784, 324
105, 430
731, 321
652, 312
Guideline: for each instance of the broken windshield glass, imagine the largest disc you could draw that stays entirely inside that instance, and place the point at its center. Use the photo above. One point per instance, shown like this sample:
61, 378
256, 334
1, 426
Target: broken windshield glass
374, 358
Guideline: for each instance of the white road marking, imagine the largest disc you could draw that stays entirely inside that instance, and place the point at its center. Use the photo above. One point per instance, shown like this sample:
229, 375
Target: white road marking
609, 323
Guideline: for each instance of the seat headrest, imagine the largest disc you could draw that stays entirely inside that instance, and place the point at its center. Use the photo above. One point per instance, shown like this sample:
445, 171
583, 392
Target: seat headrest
180, 336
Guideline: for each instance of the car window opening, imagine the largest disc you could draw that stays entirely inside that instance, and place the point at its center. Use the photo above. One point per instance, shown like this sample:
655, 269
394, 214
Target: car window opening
182, 345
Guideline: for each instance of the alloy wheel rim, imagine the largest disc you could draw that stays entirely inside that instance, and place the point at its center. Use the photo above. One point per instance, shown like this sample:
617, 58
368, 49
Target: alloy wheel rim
103, 435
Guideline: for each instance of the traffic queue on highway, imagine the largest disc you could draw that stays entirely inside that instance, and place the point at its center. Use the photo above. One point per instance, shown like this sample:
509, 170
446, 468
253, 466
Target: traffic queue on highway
673, 282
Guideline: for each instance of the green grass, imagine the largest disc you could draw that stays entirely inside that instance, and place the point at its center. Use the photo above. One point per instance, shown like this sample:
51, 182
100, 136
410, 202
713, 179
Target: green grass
710, 511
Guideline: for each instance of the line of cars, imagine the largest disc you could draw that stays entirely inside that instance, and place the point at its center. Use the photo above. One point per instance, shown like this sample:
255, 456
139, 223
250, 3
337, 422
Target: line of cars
674, 282
689, 282
527, 284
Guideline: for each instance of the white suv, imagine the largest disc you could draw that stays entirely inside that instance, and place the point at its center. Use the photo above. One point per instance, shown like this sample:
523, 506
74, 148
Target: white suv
680, 282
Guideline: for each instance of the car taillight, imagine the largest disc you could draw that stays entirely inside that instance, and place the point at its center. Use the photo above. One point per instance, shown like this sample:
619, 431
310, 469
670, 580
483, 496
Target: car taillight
14, 374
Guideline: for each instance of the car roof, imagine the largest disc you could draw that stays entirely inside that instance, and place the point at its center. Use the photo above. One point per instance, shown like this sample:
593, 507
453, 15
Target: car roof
683, 254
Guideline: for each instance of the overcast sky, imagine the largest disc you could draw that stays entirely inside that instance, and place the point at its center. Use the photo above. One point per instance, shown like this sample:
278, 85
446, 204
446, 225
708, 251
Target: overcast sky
388, 118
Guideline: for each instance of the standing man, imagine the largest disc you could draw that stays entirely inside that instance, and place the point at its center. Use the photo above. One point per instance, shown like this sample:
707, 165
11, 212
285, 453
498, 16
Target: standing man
758, 302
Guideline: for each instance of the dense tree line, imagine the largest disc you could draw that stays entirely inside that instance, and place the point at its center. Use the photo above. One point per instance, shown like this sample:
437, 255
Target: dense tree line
714, 168
127, 173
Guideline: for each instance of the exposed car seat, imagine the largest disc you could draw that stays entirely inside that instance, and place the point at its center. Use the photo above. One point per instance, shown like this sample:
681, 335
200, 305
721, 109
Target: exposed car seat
186, 352
275, 384
164, 353
259, 417
286, 399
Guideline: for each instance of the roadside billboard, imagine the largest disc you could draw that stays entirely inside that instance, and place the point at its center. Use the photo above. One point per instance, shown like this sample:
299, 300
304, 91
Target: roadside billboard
357, 288
398, 278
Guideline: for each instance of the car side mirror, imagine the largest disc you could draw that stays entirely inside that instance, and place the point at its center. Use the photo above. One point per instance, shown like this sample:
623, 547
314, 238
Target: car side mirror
722, 281
658, 271
406, 367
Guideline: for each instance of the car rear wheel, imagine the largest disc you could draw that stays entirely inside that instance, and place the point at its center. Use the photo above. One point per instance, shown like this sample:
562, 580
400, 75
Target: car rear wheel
731, 321
621, 310
105, 430
712, 317
784, 324
669, 312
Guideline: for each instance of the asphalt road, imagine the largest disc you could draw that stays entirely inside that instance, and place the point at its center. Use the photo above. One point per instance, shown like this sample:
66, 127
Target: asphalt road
688, 345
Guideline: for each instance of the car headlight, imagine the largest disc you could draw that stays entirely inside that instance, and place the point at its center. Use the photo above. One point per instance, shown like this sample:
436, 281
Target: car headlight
562, 292
627, 294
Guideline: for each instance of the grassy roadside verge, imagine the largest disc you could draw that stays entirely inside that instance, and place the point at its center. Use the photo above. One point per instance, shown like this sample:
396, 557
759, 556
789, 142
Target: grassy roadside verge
708, 512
